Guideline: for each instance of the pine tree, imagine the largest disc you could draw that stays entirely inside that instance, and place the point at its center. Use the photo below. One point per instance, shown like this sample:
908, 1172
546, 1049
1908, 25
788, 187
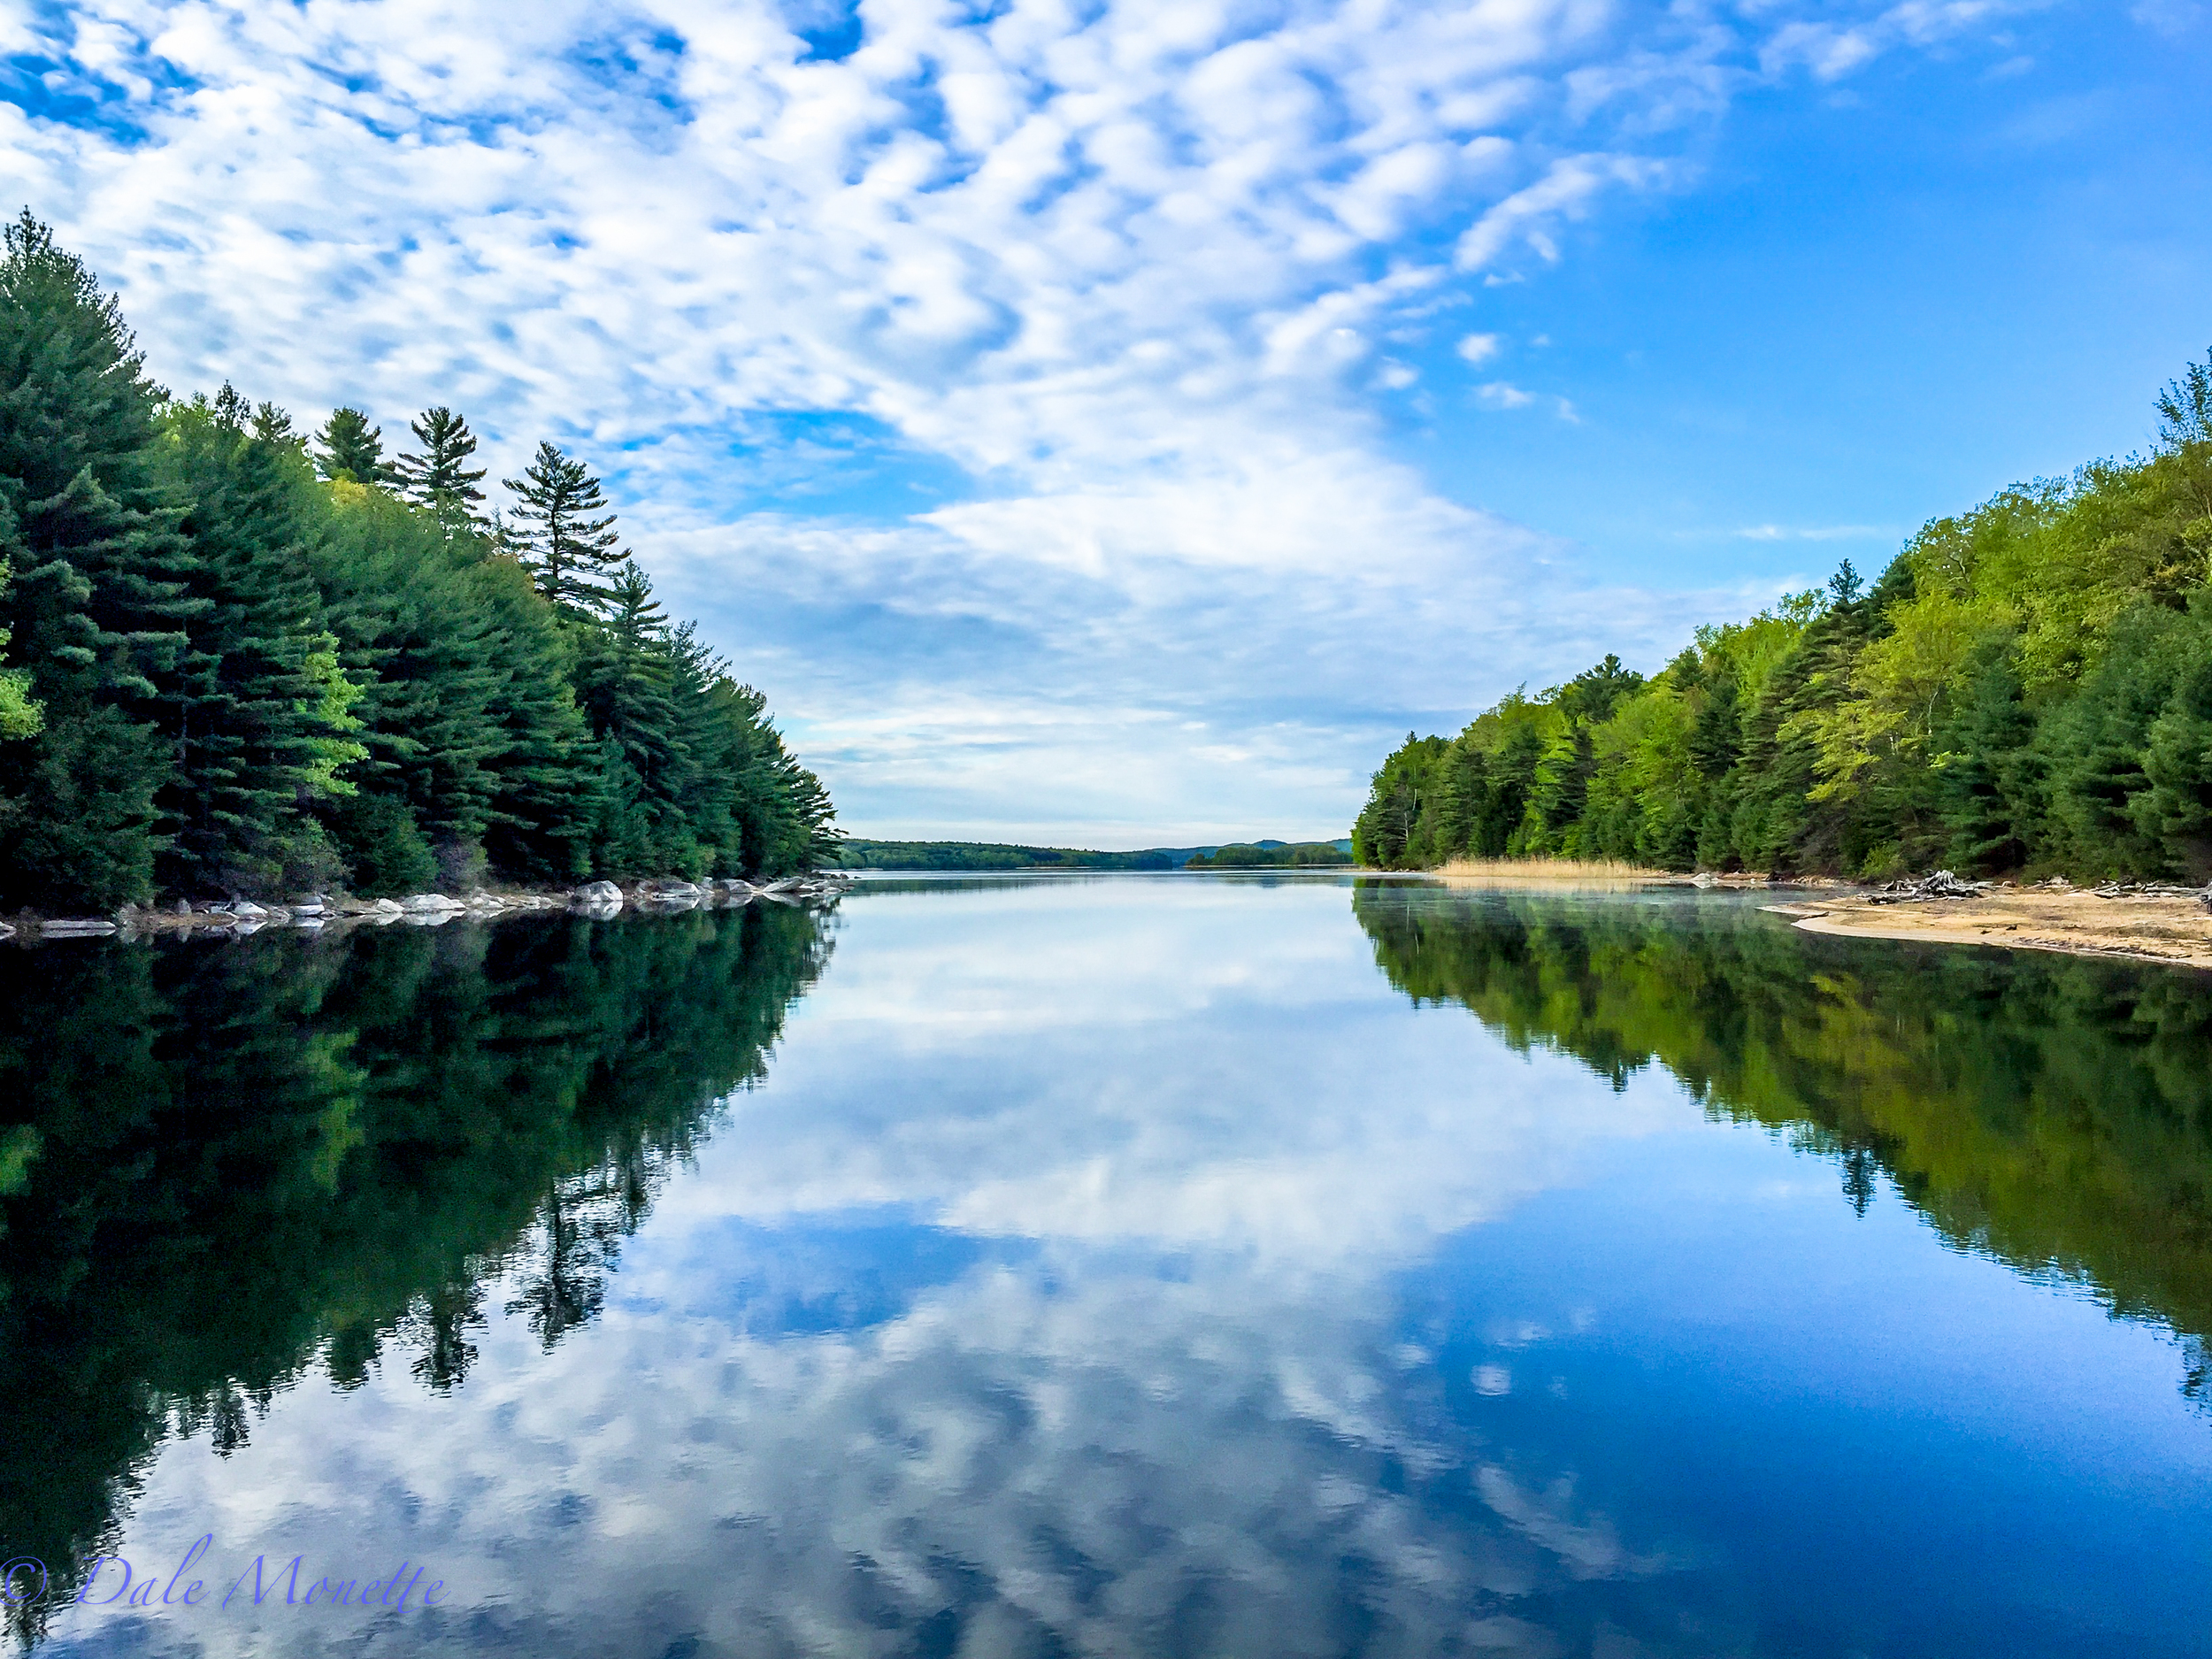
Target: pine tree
348, 447
2176, 808
563, 533
262, 722
627, 681
99, 606
1990, 773
545, 790
439, 476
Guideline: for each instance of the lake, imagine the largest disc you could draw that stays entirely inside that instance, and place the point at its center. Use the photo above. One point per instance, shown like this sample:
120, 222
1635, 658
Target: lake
1151, 1266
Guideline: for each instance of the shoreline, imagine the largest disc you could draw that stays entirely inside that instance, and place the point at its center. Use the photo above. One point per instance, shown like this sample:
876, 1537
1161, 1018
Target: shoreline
238, 918
2171, 932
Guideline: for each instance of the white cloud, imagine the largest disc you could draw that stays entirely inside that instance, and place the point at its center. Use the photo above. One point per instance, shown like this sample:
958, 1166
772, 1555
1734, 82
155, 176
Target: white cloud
1479, 348
1129, 267
1834, 48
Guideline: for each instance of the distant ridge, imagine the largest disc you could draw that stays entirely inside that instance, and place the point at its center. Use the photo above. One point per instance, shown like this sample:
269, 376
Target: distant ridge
858, 853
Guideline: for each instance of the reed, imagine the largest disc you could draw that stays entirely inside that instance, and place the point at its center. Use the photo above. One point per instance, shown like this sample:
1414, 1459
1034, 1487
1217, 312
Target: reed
1551, 870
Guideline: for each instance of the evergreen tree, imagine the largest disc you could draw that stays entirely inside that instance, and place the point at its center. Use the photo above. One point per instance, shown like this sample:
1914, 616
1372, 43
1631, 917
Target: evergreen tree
563, 533
1991, 773
545, 789
273, 426
439, 478
348, 447
626, 682
99, 605
225, 672
2177, 808
262, 721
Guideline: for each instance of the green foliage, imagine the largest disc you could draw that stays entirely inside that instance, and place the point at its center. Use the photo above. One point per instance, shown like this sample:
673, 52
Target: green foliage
257, 671
349, 448
1284, 856
261, 718
2027, 688
100, 603
856, 854
19, 716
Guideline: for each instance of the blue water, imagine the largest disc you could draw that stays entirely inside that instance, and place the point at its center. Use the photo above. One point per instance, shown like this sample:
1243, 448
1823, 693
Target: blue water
1130, 1266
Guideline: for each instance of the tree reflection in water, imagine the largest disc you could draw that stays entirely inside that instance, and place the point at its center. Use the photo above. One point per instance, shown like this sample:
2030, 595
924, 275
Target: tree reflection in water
2053, 1112
221, 1163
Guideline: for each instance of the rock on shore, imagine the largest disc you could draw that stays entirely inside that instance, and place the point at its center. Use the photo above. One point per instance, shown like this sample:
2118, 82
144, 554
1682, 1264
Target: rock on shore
314, 912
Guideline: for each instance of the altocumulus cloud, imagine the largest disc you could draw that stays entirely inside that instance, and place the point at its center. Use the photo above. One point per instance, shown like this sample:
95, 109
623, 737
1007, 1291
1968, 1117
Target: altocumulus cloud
1107, 299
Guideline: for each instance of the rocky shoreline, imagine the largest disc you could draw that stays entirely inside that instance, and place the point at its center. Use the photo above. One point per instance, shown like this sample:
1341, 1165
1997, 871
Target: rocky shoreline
235, 918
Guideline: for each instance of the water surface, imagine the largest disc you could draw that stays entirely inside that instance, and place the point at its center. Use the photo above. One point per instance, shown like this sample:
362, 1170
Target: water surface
1141, 1266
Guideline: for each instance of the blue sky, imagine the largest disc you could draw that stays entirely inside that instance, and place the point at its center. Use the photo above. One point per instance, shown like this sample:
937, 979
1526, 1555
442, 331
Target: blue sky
1118, 422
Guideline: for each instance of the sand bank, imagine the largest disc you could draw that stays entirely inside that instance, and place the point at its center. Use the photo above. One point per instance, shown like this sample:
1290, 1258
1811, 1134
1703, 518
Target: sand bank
2144, 928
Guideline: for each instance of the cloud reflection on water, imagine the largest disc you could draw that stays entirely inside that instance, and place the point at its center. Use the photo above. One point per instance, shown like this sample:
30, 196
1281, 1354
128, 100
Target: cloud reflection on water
1046, 1297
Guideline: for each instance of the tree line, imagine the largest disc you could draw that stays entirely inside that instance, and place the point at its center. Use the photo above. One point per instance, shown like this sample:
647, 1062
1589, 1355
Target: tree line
2027, 688
1274, 856
238, 659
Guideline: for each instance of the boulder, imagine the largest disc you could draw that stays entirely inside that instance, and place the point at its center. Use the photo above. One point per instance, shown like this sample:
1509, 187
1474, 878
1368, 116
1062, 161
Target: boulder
247, 910
598, 896
85, 928
6, 931
387, 907
313, 904
428, 903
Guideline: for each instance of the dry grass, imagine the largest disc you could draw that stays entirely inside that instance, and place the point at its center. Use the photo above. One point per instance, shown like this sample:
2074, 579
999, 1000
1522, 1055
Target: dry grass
1580, 870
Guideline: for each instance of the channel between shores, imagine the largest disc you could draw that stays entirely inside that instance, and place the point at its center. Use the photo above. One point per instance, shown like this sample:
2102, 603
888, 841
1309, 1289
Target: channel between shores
316, 913
2143, 922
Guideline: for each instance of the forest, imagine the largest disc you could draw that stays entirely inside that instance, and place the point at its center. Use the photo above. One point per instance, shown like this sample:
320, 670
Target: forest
237, 659
2027, 688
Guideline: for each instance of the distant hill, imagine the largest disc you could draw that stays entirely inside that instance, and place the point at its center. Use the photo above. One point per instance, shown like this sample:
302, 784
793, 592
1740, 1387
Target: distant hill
1273, 855
858, 853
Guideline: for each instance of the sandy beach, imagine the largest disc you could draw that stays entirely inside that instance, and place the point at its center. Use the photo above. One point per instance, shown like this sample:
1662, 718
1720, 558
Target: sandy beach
2146, 928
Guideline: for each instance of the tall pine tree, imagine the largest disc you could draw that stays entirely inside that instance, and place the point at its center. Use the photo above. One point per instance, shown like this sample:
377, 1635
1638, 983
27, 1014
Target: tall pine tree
627, 682
563, 533
439, 476
99, 606
262, 719
348, 447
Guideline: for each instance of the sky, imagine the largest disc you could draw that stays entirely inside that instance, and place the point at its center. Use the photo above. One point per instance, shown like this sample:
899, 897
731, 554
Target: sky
1118, 424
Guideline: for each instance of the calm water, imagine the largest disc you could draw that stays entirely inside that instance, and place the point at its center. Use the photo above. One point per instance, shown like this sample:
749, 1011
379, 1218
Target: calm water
1151, 1267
